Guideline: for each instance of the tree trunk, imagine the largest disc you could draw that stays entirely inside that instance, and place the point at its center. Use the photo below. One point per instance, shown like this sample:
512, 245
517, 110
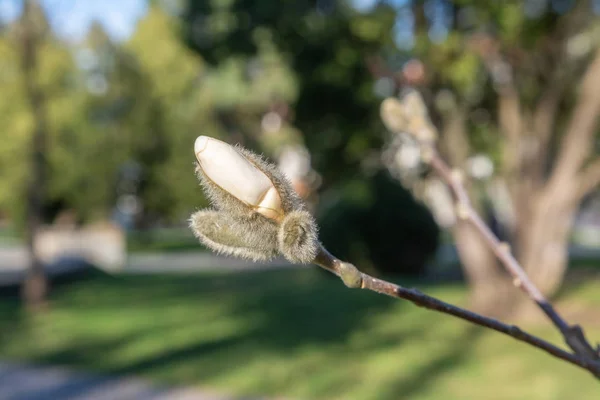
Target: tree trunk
478, 262
543, 240
35, 285
488, 285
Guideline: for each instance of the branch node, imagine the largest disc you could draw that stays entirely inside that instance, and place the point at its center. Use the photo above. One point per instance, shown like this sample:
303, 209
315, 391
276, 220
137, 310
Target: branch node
517, 282
462, 211
426, 133
350, 275
458, 176
504, 247
427, 153
575, 338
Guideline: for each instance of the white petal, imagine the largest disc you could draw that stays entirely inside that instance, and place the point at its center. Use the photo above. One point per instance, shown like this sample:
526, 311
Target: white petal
270, 205
232, 172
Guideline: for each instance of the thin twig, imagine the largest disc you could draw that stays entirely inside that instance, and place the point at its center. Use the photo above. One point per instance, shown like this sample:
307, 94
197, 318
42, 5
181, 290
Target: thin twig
572, 334
356, 279
410, 115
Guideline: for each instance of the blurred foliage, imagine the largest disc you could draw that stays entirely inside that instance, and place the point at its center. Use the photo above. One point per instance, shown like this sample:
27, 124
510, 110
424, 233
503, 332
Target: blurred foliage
541, 45
325, 45
56, 73
110, 107
377, 225
173, 76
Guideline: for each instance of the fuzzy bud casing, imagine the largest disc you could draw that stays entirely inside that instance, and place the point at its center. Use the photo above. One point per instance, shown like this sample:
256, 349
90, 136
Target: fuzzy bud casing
252, 239
297, 237
410, 115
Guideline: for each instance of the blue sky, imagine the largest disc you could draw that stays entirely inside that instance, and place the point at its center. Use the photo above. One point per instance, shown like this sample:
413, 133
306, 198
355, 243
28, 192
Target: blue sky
365, 5
72, 18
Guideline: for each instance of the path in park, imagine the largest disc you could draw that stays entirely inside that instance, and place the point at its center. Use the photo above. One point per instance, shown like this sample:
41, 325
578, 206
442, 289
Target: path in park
194, 261
13, 263
18, 382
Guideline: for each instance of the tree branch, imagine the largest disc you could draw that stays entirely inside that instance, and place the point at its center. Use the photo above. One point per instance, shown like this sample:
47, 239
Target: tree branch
356, 279
397, 115
510, 115
576, 145
571, 333
560, 73
543, 120
589, 179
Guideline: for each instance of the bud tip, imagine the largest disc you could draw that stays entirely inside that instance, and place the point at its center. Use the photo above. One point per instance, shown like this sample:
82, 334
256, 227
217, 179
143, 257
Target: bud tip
200, 144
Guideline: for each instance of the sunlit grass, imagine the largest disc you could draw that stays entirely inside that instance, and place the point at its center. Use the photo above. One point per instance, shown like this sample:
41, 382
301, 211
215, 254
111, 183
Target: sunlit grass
163, 240
298, 334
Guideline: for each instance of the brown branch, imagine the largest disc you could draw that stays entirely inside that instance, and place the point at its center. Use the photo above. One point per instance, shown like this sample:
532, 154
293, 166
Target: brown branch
356, 279
510, 114
543, 120
397, 116
465, 211
454, 142
577, 143
501, 73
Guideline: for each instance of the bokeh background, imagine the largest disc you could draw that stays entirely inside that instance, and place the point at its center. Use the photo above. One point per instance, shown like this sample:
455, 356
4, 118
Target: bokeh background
100, 104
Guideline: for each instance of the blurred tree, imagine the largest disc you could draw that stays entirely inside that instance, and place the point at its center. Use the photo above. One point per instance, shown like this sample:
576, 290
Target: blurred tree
126, 121
519, 81
40, 157
32, 28
100, 102
377, 224
173, 76
135, 102
109, 108
322, 45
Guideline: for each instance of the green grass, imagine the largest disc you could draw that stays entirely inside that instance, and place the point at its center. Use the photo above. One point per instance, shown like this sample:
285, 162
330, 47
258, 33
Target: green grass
297, 334
8, 236
163, 240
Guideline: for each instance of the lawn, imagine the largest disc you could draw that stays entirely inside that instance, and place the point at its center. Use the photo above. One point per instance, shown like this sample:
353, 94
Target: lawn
163, 240
292, 333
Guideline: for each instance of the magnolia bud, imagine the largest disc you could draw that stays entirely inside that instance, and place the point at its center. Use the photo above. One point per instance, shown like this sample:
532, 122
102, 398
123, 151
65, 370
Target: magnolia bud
392, 115
414, 106
256, 214
297, 237
235, 174
408, 115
